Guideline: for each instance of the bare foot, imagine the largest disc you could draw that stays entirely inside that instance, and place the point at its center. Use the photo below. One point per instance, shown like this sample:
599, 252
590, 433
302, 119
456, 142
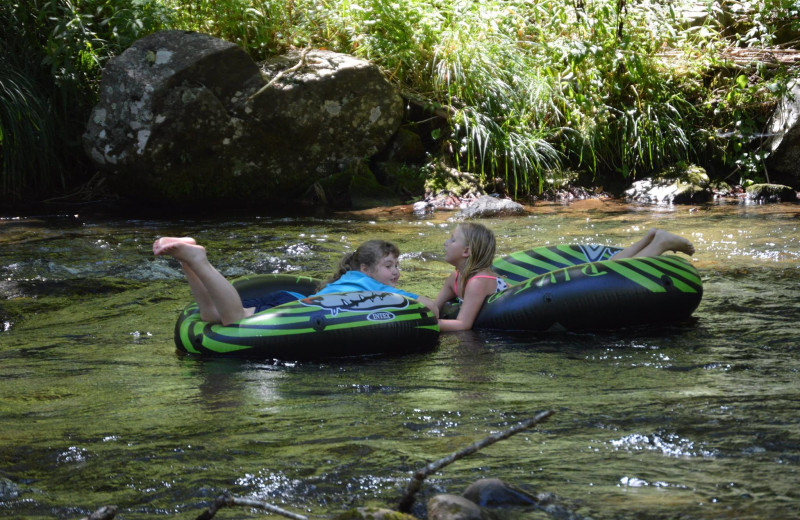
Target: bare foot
185, 250
672, 242
160, 246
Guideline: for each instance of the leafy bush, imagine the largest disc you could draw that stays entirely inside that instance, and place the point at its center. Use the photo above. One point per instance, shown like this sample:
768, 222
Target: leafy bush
531, 86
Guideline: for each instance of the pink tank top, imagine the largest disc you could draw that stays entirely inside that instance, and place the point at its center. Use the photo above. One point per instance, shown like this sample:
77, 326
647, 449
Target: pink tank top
501, 284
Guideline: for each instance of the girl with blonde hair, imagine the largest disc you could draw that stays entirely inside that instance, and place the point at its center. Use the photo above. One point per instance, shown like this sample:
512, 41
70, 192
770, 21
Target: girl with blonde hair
470, 249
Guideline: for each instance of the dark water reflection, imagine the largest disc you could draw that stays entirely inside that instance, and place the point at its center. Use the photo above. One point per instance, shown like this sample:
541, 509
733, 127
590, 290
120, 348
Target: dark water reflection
692, 420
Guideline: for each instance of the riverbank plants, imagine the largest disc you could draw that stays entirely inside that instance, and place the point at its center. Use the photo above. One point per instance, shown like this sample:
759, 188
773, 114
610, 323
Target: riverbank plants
51, 58
25, 125
525, 88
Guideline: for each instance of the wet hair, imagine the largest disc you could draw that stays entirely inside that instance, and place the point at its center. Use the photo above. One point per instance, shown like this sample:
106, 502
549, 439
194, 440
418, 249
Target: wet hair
369, 253
482, 247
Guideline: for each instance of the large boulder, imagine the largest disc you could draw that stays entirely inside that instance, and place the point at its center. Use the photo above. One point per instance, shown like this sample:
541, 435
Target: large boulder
188, 118
784, 141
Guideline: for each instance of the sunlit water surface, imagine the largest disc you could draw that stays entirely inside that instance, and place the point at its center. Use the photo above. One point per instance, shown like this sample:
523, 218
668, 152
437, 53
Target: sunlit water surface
693, 420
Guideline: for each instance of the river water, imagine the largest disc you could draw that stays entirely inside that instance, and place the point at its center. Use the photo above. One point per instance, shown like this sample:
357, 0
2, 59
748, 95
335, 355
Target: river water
696, 420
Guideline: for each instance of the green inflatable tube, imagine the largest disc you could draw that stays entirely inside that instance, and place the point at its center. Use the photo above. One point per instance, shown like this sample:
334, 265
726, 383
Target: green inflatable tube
579, 287
573, 287
320, 327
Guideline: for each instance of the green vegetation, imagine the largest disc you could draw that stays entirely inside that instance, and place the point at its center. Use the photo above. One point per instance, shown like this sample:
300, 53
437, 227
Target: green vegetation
528, 88
51, 58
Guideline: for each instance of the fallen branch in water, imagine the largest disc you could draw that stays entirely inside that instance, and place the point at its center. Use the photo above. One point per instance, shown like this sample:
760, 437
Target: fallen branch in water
416, 482
224, 500
227, 500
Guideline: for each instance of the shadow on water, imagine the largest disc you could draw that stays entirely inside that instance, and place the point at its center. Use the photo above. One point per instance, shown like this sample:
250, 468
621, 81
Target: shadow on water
690, 420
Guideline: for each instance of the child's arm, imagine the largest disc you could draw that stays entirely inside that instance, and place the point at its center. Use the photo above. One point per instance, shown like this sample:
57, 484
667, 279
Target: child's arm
475, 294
430, 304
446, 293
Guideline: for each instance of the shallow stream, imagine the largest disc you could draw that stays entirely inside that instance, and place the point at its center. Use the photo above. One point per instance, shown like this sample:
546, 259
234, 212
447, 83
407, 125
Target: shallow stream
697, 420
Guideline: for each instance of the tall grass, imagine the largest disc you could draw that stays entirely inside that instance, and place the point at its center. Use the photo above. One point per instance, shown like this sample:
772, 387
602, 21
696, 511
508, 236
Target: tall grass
529, 87
467, 57
261, 27
625, 112
534, 86
26, 125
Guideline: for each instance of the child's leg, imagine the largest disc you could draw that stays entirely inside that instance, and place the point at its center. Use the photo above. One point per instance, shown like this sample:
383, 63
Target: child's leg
635, 249
656, 242
664, 241
208, 310
217, 298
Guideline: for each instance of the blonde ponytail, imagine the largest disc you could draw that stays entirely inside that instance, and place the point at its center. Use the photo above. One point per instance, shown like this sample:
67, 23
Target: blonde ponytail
482, 247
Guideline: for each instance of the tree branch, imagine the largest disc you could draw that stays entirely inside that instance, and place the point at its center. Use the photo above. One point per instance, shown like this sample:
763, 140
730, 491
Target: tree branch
227, 500
416, 482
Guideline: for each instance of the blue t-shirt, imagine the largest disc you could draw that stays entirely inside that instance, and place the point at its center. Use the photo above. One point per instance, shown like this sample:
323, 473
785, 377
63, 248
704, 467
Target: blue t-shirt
358, 281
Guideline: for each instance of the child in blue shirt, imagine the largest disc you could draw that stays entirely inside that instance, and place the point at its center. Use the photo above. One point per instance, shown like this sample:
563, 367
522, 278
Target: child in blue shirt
372, 267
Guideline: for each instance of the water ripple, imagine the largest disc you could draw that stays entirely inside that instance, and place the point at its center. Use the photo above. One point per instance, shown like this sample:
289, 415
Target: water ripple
670, 445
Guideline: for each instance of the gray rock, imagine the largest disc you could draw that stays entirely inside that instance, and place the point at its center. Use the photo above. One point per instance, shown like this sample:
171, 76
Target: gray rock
454, 507
487, 206
334, 110
784, 141
167, 105
770, 193
184, 117
688, 186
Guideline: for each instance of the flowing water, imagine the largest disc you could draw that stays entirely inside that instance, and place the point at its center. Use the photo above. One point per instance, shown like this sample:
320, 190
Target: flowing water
696, 420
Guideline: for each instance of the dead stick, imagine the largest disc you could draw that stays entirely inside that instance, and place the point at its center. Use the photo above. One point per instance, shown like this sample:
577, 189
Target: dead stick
416, 482
227, 500
279, 75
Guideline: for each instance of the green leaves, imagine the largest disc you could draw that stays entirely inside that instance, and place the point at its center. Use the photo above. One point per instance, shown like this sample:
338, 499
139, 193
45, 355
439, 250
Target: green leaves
741, 81
26, 134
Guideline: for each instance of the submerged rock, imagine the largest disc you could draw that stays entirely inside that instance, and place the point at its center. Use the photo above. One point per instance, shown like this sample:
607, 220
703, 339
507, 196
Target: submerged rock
500, 500
8, 489
454, 507
373, 513
493, 492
